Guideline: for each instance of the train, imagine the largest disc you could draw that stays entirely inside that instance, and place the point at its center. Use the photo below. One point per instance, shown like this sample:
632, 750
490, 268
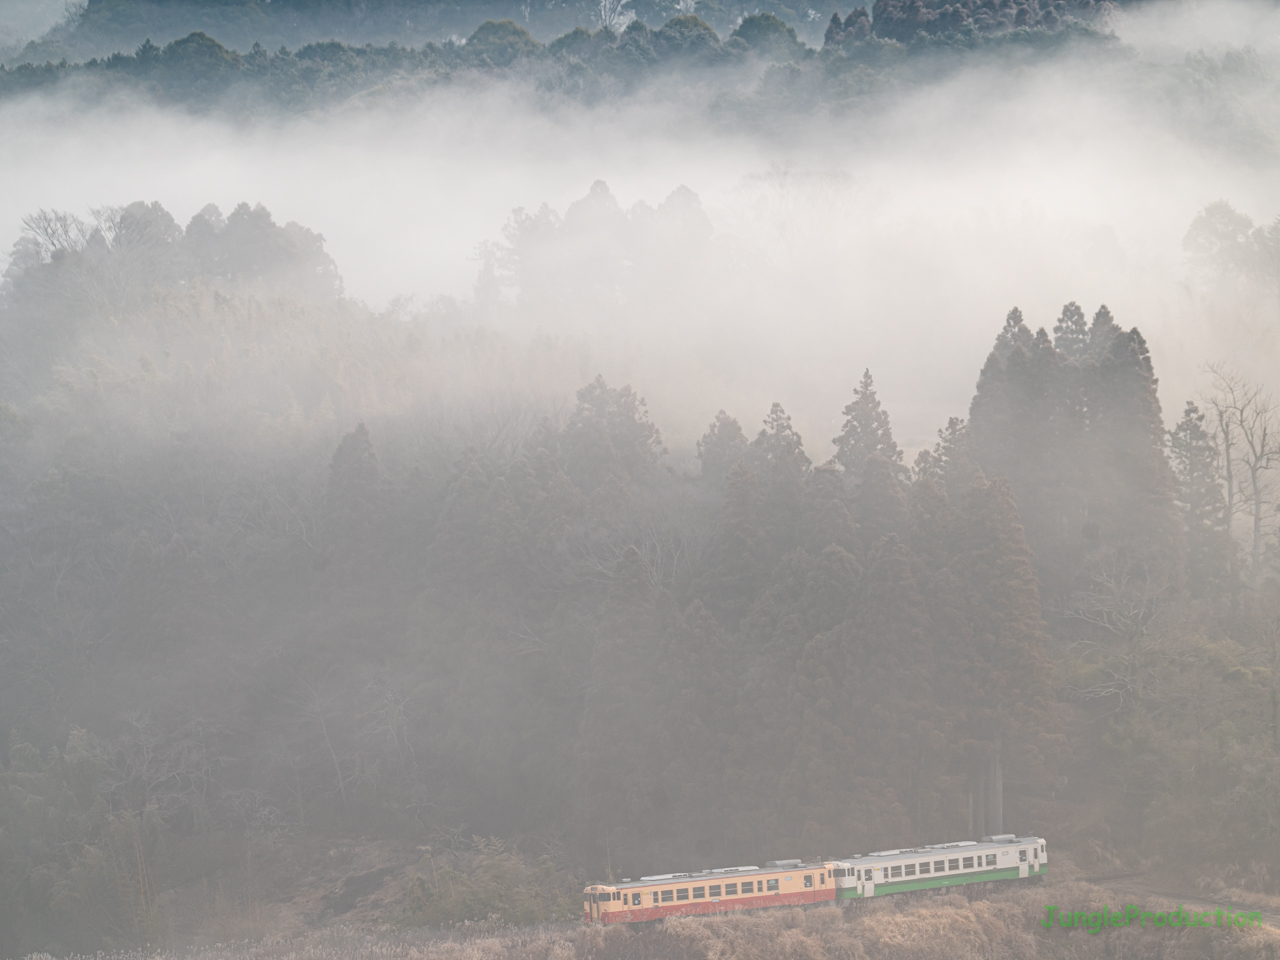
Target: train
786, 883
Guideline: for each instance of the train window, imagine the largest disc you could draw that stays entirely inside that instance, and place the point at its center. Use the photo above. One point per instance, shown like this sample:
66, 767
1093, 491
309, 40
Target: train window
897, 870
909, 870
924, 867
808, 880
772, 884
968, 863
699, 893
1042, 848
595, 898
635, 899
953, 864
714, 890
939, 866
1022, 856
748, 886
731, 889
668, 896
839, 872
682, 893
1035, 853
991, 859
822, 878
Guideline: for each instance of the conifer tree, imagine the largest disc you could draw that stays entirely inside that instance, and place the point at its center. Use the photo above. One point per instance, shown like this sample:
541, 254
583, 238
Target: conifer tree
781, 467
1078, 434
616, 418
728, 587
353, 471
1070, 333
857, 25
835, 31
951, 462
866, 430
1195, 458
1014, 334
879, 506
721, 447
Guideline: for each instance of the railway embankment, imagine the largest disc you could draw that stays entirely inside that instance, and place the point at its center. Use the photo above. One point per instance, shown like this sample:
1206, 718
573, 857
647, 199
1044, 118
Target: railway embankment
1006, 924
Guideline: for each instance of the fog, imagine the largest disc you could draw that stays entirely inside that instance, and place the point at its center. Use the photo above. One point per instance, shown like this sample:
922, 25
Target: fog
286, 575
27, 19
895, 236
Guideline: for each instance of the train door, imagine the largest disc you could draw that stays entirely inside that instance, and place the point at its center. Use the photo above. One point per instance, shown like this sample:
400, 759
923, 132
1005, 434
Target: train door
868, 884
595, 907
1022, 864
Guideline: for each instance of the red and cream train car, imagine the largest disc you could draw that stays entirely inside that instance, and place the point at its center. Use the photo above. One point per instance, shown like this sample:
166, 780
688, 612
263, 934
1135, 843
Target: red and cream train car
780, 883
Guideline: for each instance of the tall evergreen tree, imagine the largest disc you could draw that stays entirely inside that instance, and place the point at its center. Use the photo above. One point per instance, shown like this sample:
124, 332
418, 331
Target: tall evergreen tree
721, 447
353, 471
952, 461
1078, 434
1071, 333
866, 430
1200, 499
618, 416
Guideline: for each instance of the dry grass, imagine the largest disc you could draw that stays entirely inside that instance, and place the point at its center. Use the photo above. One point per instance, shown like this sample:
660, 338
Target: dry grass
949, 927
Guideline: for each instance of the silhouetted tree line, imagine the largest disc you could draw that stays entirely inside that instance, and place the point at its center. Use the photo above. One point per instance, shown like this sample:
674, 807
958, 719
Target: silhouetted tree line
236, 619
199, 71
101, 27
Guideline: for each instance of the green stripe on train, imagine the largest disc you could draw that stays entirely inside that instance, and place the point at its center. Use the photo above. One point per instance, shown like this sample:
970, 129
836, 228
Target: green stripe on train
905, 886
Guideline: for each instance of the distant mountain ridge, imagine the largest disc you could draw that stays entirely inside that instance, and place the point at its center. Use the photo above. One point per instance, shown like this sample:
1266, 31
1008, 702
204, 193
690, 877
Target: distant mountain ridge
99, 28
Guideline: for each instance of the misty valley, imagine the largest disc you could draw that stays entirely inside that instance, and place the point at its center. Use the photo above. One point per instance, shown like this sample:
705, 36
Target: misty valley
448, 466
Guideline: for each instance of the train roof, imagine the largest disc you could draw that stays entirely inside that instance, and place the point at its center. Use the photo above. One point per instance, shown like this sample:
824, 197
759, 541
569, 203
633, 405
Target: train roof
781, 866
719, 873
965, 846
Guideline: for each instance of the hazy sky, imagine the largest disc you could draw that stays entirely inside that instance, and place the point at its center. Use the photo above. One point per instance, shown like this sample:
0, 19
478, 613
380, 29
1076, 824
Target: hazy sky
28, 19
897, 242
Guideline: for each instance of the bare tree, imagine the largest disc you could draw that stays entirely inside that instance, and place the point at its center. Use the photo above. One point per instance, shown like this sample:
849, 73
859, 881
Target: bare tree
56, 230
315, 707
1123, 595
1249, 438
614, 16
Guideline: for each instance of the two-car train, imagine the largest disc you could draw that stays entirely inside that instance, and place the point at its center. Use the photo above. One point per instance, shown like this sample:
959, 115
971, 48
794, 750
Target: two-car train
783, 883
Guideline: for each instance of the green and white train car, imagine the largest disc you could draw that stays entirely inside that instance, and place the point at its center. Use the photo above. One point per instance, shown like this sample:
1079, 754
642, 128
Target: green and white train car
1003, 857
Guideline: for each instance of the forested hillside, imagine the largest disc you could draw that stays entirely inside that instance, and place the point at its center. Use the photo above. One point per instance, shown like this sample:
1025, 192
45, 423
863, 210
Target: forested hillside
97, 28
277, 570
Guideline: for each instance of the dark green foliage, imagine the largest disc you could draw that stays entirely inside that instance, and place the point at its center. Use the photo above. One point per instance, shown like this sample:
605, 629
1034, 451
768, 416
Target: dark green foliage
260, 594
866, 431
1227, 250
612, 426
721, 448
202, 73
767, 36
688, 37
1077, 432
952, 461
903, 19
500, 43
353, 473
1195, 459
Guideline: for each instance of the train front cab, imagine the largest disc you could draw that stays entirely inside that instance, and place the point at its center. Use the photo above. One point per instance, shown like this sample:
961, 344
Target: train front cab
1005, 857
